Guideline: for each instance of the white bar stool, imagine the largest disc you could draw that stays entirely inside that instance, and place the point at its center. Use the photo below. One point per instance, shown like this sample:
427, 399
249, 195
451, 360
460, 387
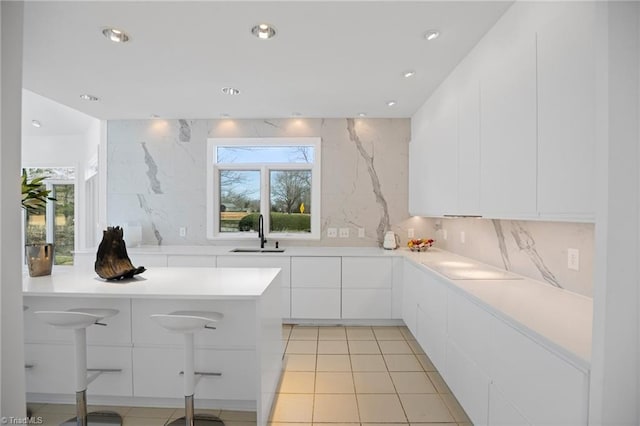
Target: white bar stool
78, 320
187, 323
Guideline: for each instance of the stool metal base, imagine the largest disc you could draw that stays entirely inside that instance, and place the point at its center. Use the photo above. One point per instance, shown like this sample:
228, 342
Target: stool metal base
107, 418
198, 420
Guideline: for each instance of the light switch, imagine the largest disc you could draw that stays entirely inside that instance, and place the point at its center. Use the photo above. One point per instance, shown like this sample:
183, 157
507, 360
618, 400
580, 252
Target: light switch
411, 233
463, 237
332, 232
344, 232
183, 231
360, 232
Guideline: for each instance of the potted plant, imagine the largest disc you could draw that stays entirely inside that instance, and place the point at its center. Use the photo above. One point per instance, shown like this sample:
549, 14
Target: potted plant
34, 200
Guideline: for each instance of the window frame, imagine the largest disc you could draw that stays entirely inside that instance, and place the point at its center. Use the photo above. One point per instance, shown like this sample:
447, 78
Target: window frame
213, 186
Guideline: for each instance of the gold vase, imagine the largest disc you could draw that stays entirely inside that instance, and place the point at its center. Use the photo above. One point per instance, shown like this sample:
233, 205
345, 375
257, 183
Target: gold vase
39, 259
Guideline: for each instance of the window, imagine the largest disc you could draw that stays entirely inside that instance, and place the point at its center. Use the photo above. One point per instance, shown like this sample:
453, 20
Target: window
56, 223
276, 177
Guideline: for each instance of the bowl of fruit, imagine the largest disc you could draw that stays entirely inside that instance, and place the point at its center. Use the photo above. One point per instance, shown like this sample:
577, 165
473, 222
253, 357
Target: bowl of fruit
420, 244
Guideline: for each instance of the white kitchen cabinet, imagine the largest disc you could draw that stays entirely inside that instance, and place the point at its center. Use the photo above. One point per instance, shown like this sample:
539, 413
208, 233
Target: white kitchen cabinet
191, 260
544, 387
262, 261
316, 287
468, 382
366, 287
431, 337
567, 111
157, 373
417, 160
508, 125
50, 368
501, 411
468, 190
117, 331
148, 260
412, 280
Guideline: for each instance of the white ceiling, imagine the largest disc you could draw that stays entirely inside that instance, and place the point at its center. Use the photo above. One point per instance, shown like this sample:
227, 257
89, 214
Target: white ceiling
329, 59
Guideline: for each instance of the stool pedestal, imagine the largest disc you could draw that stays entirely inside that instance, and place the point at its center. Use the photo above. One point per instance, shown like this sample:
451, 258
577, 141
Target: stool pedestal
78, 320
187, 323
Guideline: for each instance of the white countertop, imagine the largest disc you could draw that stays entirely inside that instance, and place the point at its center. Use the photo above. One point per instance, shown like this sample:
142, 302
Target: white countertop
157, 282
557, 318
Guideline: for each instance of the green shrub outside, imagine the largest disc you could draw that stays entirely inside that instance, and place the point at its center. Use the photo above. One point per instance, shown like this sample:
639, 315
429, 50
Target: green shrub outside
280, 222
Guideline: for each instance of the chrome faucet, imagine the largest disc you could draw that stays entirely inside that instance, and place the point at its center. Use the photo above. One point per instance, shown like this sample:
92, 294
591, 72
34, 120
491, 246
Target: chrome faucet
261, 231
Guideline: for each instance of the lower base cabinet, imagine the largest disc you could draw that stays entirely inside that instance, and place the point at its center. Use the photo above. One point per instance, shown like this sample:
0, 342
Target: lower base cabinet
50, 368
501, 411
157, 373
312, 303
366, 303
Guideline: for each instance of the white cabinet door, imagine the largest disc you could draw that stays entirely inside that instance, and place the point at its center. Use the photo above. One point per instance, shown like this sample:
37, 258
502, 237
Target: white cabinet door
191, 260
157, 373
567, 112
367, 272
469, 144
261, 261
50, 369
501, 411
468, 382
544, 388
411, 280
440, 167
432, 338
364, 303
148, 260
508, 125
315, 287
417, 187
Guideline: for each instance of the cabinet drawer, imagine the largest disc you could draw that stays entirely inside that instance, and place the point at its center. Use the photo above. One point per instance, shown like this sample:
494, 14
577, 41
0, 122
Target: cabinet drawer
366, 303
544, 387
148, 259
367, 272
431, 338
315, 303
432, 299
502, 412
118, 330
259, 261
286, 302
157, 373
469, 384
237, 328
192, 261
315, 272
52, 368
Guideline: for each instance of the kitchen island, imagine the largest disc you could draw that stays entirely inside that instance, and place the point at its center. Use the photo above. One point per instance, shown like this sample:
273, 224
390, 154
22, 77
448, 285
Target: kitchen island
246, 348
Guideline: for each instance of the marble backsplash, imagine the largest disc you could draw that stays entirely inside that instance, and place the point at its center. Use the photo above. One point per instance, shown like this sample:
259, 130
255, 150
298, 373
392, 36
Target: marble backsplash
534, 249
156, 175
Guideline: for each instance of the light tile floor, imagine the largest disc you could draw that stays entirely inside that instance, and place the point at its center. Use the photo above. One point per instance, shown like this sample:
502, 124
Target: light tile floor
341, 376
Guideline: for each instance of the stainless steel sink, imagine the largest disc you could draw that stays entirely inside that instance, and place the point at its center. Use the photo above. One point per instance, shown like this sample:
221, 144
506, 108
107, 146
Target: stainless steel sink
257, 250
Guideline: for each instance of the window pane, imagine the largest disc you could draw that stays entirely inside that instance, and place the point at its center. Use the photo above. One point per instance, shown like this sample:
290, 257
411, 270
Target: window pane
239, 200
36, 228
290, 201
64, 219
264, 154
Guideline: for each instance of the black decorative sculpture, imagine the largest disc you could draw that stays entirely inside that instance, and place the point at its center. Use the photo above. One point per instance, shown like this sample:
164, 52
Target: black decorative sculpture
112, 261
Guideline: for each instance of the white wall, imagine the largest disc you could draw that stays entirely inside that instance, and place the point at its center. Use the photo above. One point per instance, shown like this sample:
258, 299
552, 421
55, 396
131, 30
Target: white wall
12, 386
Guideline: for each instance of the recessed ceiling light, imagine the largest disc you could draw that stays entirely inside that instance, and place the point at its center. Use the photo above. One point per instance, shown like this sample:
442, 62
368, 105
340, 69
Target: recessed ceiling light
36, 123
391, 103
264, 31
362, 114
115, 35
87, 97
230, 91
431, 35
409, 73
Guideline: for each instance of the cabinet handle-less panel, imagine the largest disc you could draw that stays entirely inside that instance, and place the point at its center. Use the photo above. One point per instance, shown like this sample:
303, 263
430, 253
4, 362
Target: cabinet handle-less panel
237, 328
501, 411
315, 303
315, 272
191, 261
118, 330
367, 272
53, 367
366, 303
157, 373
432, 338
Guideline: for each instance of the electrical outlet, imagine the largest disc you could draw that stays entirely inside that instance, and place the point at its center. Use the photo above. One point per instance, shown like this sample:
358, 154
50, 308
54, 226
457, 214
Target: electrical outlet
573, 259
444, 234
332, 232
360, 232
344, 232
183, 231
463, 237
411, 233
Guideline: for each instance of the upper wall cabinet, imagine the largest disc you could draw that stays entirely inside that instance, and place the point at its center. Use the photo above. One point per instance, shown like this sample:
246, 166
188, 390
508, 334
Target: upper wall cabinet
510, 132
508, 126
567, 112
